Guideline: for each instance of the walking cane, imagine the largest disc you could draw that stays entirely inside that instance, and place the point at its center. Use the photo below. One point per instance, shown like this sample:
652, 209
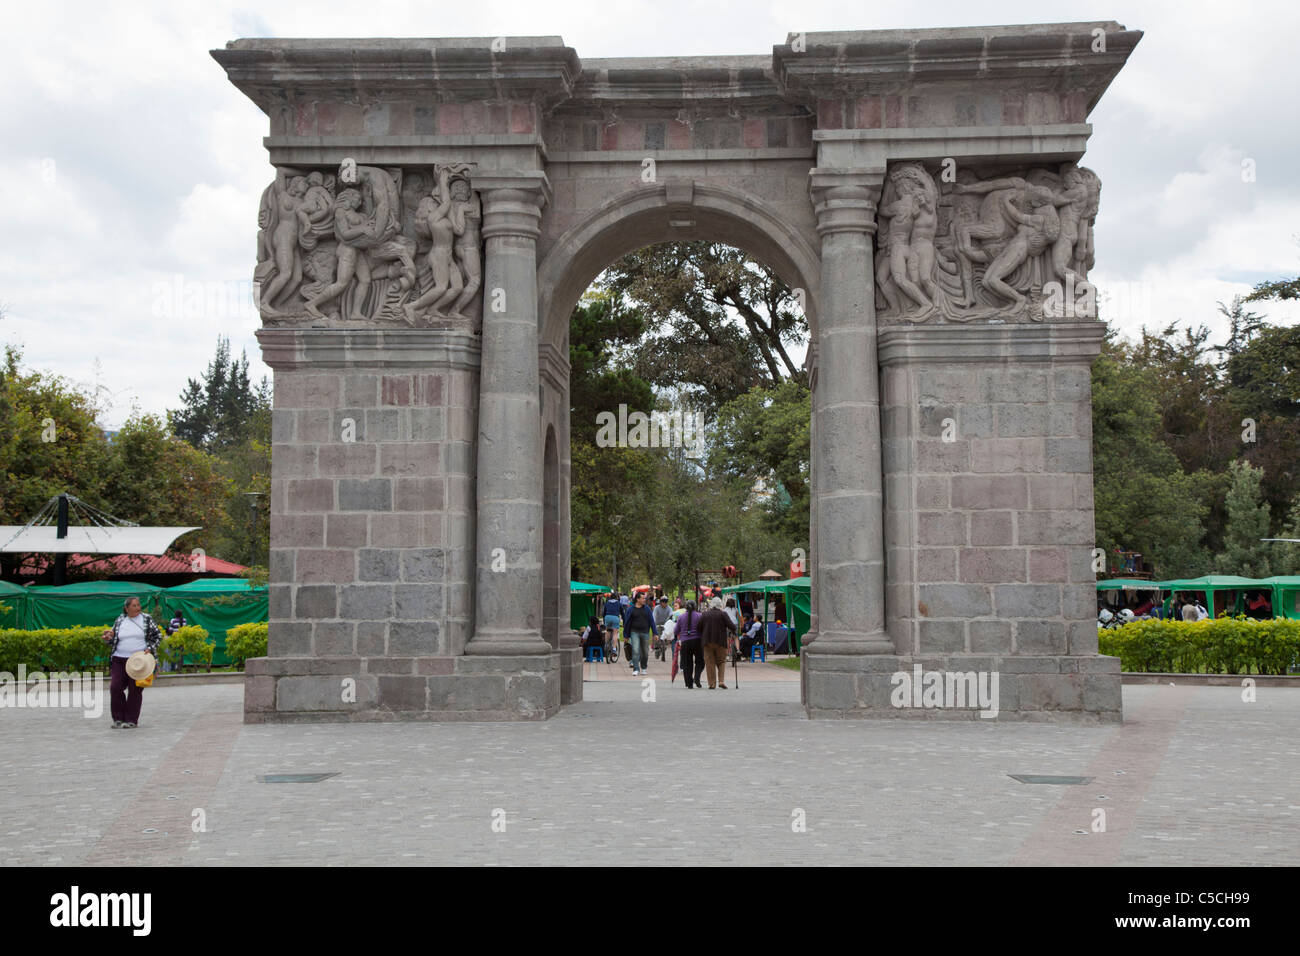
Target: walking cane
735, 663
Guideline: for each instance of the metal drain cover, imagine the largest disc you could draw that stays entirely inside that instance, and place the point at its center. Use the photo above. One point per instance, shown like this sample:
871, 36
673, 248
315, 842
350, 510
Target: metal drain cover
1040, 778
297, 777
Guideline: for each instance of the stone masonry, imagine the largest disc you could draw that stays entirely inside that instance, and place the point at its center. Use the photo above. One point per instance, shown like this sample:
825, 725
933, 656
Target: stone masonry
439, 206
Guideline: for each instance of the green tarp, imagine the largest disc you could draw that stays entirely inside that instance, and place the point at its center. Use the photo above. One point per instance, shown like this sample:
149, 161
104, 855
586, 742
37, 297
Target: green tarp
584, 603
1127, 584
1286, 591
1210, 585
798, 600
215, 604
93, 603
14, 600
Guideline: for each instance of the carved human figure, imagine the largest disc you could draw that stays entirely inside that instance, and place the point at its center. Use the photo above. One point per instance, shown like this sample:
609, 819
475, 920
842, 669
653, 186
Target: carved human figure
466, 223
352, 228
902, 215
990, 224
284, 243
1036, 232
316, 213
434, 219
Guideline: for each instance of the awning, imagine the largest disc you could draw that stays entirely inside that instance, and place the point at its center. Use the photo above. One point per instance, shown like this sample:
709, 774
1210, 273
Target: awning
88, 540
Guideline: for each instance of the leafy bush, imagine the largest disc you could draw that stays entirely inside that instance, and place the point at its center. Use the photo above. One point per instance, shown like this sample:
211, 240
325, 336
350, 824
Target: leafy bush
191, 641
53, 649
246, 640
1225, 645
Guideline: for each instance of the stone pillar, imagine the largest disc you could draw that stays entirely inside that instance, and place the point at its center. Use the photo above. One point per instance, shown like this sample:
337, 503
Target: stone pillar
508, 579
849, 573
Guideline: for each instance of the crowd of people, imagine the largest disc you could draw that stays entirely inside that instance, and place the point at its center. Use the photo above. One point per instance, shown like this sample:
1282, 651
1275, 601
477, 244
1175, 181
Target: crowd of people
698, 638
1178, 606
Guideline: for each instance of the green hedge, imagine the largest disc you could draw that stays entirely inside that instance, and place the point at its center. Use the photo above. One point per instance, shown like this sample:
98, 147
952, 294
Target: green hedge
246, 640
1225, 645
191, 644
53, 649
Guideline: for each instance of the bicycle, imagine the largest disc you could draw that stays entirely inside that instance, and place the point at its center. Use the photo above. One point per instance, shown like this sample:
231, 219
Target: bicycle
611, 645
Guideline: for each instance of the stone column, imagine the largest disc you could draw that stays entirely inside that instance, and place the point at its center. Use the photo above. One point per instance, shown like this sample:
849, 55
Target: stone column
508, 578
849, 573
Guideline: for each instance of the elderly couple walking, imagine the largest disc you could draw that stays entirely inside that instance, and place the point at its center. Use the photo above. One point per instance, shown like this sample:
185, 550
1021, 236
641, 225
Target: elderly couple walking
704, 639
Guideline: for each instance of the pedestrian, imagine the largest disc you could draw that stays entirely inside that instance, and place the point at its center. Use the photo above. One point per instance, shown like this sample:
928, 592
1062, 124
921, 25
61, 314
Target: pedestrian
716, 633
133, 632
613, 612
176, 623
690, 656
731, 612
662, 611
592, 636
639, 623
752, 635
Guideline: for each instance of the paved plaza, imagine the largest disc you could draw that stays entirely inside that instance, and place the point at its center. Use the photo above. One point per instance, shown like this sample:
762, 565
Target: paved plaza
1193, 776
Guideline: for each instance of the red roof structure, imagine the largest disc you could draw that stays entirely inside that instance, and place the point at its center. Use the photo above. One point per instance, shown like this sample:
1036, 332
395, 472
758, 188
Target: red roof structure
119, 565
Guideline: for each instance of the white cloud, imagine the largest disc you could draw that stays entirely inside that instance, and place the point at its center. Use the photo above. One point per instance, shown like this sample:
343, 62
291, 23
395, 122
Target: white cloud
158, 161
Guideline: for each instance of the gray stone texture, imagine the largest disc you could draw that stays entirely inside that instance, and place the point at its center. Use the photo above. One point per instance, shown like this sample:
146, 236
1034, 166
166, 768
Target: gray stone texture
406, 460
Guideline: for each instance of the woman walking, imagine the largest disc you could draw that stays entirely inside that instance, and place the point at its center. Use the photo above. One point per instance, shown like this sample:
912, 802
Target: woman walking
133, 632
691, 656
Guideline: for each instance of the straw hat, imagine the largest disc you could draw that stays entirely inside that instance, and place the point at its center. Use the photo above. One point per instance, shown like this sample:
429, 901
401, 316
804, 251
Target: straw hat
139, 665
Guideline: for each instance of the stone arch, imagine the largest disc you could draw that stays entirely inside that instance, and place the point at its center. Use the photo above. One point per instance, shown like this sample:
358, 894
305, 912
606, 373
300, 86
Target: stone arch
640, 217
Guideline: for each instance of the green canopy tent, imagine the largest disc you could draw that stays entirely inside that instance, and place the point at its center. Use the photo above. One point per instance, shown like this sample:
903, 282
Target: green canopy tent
797, 593
1118, 590
584, 603
88, 603
14, 598
1214, 585
216, 604
1286, 591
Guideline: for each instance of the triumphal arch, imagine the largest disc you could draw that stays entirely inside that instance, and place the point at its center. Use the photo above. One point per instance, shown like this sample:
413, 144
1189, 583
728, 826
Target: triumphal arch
438, 206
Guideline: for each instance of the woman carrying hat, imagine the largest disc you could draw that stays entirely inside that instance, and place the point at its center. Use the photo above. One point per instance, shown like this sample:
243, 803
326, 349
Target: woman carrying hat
132, 646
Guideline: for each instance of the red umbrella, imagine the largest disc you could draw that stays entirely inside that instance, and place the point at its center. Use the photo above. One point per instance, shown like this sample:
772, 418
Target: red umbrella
674, 677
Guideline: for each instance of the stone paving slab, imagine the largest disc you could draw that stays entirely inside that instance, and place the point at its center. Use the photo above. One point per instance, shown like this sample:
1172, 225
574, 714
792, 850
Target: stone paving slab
700, 776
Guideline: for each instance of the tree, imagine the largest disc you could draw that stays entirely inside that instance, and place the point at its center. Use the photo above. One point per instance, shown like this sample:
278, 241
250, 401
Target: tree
154, 478
1143, 499
721, 322
1242, 326
217, 412
1248, 521
49, 444
764, 436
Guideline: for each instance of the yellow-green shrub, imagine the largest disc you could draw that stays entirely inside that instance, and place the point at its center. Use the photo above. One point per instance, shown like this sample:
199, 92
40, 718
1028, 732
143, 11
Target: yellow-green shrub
1225, 645
191, 641
246, 640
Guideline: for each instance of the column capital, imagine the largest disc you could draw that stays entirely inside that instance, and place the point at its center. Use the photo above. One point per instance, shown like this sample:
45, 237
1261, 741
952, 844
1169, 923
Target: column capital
512, 203
844, 200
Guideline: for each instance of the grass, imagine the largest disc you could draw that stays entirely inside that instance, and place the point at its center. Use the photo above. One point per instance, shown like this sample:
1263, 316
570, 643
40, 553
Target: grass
789, 663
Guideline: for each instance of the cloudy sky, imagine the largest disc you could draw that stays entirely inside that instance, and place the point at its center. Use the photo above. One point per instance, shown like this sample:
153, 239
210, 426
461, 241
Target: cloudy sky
134, 167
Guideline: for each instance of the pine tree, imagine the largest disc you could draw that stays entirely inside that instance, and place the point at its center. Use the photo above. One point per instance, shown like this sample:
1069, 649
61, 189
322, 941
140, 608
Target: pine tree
217, 413
1244, 553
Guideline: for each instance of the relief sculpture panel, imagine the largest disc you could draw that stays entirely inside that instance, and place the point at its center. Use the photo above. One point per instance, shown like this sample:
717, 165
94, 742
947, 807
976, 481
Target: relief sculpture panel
369, 246
1011, 245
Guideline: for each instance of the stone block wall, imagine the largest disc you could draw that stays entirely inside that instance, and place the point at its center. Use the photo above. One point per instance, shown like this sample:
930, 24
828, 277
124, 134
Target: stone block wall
987, 448
372, 517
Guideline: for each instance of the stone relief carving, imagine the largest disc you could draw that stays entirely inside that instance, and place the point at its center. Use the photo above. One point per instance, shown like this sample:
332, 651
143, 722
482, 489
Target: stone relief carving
1012, 247
380, 246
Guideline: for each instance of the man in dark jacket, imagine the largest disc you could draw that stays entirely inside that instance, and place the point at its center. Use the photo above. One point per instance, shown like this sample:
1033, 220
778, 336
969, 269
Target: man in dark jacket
716, 632
639, 624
